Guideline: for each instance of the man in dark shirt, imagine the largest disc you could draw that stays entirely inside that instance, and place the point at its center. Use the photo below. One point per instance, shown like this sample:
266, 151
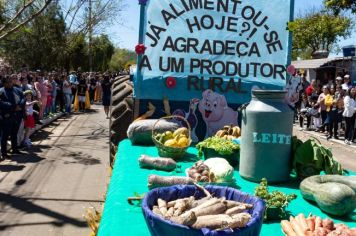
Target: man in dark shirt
106, 88
11, 109
60, 94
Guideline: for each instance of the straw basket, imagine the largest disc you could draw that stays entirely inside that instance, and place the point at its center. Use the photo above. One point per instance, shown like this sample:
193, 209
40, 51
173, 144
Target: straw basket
172, 152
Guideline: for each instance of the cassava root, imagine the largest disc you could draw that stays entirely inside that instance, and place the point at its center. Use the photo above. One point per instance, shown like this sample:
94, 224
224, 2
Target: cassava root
207, 212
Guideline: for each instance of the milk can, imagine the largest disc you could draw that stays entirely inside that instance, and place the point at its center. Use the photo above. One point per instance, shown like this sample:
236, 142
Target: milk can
267, 124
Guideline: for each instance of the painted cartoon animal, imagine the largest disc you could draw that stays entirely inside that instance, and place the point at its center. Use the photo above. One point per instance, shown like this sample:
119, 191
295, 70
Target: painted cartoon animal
190, 117
215, 112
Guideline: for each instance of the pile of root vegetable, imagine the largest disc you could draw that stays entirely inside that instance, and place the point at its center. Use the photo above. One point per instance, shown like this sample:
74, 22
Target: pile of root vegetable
208, 212
201, 172
314, 226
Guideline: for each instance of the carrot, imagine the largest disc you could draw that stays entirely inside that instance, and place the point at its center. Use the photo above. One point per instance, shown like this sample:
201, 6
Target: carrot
302, 222
296, 227
328, 224
309, 233
318, 222
287, 228
321, 231
311, 223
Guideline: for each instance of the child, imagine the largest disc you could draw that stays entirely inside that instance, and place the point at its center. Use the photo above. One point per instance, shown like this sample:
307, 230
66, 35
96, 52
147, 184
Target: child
303, 112
29, 121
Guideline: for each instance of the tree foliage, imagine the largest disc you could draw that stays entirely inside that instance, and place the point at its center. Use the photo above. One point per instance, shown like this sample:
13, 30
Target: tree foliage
16, 14
43, 44
40, 43
339, 5
318, 31
47, 42
103, 50
121, 59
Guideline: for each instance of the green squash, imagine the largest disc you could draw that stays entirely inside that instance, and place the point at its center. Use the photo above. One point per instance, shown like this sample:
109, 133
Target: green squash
334, 194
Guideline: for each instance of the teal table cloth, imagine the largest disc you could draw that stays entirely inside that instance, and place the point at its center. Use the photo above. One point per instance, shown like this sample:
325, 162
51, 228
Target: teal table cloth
121, 218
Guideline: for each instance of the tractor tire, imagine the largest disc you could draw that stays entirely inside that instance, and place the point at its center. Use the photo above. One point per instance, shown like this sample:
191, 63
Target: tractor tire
122, 104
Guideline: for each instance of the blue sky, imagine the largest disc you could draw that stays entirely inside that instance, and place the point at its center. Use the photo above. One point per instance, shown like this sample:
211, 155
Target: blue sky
125, 35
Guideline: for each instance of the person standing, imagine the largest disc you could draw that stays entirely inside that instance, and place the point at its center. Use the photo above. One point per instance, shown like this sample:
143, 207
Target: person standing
346, 85
98, 89
48, 83
305, 83
67, 91
60, 94
338, 81
322, 107
20, 131
312, 88
106, 89
29, 121
349, 114
41, 90
331, 102
81, 91
54, 92
92, 86
26, 86
11, 108
73, 79
303, 107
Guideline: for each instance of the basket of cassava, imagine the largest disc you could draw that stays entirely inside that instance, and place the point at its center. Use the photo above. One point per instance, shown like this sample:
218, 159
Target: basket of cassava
188, 210
172, 143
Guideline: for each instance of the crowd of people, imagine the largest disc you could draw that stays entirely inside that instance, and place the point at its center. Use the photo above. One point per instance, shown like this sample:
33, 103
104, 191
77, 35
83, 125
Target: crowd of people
27, 98
328, 108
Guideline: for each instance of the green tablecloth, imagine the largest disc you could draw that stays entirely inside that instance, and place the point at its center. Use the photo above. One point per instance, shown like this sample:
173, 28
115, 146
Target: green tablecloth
120, 218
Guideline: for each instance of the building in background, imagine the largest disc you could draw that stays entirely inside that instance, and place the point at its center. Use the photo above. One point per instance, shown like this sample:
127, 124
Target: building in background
327, 69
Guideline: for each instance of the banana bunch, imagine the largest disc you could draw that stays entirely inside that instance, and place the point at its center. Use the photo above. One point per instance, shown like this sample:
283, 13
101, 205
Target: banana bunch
229, 132
178, 138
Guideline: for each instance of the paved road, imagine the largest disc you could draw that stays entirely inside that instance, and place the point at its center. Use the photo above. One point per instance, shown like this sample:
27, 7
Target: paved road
345, 154
47, 190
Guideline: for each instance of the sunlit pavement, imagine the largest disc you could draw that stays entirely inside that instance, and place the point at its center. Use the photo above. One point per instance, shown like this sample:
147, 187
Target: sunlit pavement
47, 190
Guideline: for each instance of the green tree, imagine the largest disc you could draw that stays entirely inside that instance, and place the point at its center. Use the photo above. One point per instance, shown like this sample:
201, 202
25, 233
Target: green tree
318, 31
338, 5
102, 49
16, 14
39, 44
121, 59
76, 51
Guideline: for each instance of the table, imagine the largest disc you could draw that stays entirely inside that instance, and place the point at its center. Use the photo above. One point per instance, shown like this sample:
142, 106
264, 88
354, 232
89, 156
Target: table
120, 218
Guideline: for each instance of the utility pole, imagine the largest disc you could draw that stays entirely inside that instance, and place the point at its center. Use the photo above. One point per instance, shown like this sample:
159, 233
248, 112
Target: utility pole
90, 31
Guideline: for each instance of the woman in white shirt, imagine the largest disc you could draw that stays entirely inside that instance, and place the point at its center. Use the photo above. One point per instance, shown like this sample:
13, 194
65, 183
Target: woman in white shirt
349, 114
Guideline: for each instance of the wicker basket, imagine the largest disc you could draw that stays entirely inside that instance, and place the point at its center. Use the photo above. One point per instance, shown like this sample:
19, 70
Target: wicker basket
172, 152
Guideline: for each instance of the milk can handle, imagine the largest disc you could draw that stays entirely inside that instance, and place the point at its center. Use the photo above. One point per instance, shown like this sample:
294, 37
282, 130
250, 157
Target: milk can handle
242, 109
243, 106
